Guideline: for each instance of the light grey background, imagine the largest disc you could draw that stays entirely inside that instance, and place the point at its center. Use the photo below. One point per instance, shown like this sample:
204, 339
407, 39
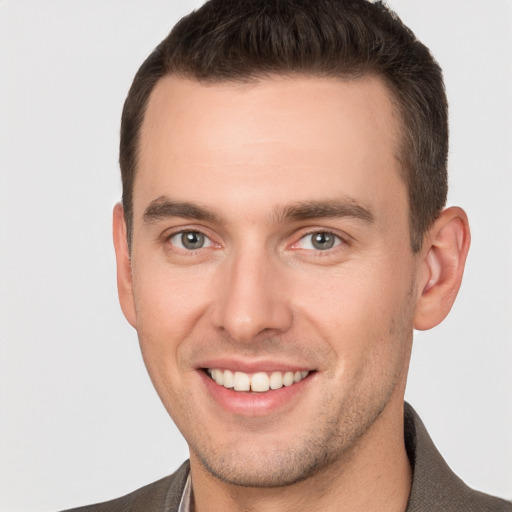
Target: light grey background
79, 420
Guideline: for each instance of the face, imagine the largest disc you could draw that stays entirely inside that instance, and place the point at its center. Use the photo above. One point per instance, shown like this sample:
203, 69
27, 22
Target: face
271, 270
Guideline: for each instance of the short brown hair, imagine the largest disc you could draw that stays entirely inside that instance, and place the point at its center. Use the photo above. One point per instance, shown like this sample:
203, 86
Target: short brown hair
244, 40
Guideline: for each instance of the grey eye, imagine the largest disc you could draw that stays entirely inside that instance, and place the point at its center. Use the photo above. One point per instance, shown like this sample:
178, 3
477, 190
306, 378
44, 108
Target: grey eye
190, 240
319, 241
322, 241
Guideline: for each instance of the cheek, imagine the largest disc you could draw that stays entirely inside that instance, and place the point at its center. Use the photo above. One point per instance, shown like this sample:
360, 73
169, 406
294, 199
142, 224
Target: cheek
169, 301
361, 312
169, 306
165, 317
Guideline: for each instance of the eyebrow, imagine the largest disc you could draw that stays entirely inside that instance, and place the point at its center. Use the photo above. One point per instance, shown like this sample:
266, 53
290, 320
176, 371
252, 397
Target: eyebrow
163, 207
324, 209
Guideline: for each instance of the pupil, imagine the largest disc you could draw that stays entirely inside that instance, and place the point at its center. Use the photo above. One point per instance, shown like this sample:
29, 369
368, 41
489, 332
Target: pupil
323, 241
192, 240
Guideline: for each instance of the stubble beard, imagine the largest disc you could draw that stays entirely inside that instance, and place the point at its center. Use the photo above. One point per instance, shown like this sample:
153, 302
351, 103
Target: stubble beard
330, 439
328, 442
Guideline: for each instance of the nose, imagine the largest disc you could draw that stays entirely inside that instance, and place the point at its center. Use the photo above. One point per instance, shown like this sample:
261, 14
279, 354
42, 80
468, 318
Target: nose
252, 300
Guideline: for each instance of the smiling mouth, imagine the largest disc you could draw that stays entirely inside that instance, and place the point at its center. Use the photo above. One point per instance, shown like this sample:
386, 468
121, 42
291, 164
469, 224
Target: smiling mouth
260, 382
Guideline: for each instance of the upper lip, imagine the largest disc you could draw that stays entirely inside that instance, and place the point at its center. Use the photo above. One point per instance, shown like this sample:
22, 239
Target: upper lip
253, 366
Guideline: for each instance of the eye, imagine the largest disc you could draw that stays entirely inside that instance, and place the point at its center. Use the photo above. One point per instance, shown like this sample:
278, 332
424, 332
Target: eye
190, 240
319, 241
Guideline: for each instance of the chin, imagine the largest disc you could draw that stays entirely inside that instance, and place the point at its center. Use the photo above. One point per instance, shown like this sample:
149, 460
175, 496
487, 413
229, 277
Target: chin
261, 460
278, 468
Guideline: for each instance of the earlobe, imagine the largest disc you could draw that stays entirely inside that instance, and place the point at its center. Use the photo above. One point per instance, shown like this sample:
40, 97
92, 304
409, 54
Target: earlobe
124, 268
442, 266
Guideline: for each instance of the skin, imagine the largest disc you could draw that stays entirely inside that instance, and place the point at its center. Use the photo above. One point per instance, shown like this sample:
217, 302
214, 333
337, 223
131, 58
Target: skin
259, 293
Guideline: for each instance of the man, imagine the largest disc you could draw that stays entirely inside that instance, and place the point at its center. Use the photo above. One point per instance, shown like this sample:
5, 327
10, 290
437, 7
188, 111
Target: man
281, 234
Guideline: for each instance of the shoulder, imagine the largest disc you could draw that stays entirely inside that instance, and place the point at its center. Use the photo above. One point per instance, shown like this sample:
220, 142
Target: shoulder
435, 487
162, 495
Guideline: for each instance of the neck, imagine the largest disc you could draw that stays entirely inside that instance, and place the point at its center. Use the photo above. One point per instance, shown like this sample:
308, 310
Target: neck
374, 475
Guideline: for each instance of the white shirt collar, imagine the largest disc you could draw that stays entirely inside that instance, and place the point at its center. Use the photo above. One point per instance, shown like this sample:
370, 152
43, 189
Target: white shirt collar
186, 497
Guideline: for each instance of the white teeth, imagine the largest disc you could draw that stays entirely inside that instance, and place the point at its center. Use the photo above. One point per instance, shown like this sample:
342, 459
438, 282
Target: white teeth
229, 379
259, 382
242, 382
276, 380
288, 378
218, 376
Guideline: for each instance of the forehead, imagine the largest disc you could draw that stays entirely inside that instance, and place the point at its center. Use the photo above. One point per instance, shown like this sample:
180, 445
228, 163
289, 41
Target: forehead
298, 137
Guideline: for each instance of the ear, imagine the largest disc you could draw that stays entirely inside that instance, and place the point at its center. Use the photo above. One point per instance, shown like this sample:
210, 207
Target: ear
124, 267
443, 257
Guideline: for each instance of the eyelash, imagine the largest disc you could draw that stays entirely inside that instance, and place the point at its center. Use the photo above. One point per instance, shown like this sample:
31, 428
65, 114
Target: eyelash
338, 241
183, 232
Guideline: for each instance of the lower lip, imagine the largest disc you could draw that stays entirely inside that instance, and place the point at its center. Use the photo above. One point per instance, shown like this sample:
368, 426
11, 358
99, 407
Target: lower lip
251, 403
